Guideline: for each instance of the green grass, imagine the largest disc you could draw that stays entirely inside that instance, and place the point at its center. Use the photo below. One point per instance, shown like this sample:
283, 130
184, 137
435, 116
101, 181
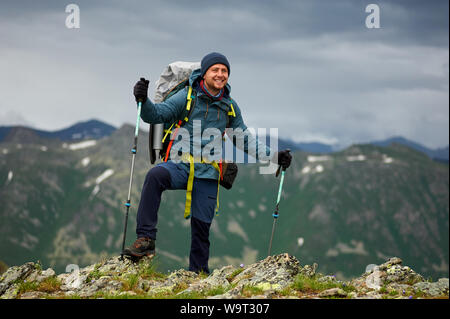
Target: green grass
95, 274
48, 285
308, 284
130, 282
234, 274
26, 286
149, 271
248, 291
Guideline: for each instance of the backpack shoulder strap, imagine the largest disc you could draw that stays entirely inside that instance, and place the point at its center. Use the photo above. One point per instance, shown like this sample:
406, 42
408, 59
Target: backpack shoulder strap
191, 95
230, 113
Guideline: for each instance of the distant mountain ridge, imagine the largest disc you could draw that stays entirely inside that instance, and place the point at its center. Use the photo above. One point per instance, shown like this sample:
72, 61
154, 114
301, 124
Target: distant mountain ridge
438, 154
92, 129
95, 129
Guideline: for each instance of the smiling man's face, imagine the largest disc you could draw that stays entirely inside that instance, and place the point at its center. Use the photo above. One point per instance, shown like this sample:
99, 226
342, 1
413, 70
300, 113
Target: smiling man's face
216, 78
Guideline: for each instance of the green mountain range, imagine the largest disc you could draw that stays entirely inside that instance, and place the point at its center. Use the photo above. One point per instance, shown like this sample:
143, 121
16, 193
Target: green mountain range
63, 203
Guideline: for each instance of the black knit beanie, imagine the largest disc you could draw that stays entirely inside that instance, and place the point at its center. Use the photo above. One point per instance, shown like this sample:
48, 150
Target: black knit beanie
211, 59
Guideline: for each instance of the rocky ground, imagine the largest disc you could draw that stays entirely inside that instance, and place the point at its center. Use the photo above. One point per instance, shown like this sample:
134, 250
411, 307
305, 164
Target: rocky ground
280, 276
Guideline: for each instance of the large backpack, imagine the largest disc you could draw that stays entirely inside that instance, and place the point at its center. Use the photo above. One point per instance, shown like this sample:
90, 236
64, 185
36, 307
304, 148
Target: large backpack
174, 78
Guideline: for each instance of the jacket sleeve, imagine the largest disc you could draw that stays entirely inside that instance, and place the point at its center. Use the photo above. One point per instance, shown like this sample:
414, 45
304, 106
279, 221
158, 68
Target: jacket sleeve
166, 112
244, 139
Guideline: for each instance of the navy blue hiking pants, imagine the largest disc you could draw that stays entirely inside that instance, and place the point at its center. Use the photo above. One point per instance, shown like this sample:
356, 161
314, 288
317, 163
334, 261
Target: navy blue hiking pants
170, 176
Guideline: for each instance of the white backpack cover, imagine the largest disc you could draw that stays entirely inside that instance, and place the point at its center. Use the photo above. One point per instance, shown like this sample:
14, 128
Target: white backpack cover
173, 74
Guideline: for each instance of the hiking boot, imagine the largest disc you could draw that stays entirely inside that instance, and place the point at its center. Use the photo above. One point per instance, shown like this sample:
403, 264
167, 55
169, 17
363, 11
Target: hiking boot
143, 246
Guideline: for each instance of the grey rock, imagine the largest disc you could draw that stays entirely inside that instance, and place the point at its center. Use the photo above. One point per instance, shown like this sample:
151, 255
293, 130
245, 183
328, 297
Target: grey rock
328, 278
177, 279
274, 273
104, 284
144, 284
353, 295
12, 276
11, 292
74, 281
33, 295
218, 279
45, 275
391, 262
127, 293
308, 270
402, 275
333, 292
370, 295
38, 275
399, 287
262, 280
433, 289
389, 273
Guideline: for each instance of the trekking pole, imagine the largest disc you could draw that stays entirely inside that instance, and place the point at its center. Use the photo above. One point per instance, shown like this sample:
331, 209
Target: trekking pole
133, 151
276, 214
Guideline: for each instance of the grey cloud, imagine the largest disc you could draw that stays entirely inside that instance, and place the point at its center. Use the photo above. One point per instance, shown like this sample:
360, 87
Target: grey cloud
309, 64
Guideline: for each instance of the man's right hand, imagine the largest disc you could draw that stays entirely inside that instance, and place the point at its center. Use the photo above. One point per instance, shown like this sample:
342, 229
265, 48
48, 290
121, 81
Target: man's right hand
140, 90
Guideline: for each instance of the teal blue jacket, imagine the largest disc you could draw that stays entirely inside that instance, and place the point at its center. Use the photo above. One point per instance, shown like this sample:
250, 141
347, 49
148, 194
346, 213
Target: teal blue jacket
211, 114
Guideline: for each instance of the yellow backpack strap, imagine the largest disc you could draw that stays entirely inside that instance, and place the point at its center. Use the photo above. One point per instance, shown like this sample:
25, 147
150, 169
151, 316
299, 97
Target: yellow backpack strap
189, 101
232, 113
188, 107
216, 166
190, 185
168, 131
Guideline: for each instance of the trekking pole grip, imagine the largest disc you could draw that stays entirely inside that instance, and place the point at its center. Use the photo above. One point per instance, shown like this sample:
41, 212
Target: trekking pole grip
279, 166
136, 131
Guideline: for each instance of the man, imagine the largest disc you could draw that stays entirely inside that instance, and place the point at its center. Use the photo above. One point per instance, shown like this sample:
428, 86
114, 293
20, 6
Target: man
212, 103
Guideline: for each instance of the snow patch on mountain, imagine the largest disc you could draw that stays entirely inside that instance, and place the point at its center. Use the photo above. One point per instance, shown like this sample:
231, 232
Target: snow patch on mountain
109, 172
356, 158
234, 227
85, 161
80, 145
9, 178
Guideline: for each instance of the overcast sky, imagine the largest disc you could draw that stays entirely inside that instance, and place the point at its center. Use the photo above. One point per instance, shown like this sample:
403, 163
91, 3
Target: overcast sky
310, 68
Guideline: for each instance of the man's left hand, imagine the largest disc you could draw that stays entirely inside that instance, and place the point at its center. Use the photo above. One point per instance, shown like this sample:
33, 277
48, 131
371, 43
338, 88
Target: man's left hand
284, 158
